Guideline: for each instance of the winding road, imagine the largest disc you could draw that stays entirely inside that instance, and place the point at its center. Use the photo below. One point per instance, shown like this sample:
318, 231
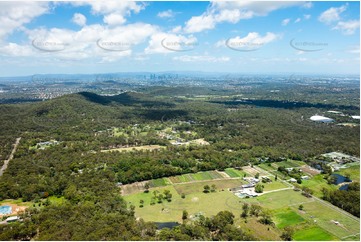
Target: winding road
6, 162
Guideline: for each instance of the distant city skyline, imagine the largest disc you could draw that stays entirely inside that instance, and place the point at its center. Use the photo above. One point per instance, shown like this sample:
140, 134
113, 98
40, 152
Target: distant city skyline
123, 36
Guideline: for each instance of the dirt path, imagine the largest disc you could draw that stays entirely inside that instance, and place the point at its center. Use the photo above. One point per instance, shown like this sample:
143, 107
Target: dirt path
6, 162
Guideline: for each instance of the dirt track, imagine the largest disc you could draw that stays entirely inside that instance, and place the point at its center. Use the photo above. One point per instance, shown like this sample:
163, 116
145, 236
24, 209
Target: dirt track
6, 162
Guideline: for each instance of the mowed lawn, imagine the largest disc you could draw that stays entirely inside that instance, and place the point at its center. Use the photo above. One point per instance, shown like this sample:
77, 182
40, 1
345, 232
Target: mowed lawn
290, 163
160, 182
316, 184
313, 210
235, 173
199, 176
208, 204
353, 171
313, 234
286, 217
274, 185
198, 186
280, 199
325, 217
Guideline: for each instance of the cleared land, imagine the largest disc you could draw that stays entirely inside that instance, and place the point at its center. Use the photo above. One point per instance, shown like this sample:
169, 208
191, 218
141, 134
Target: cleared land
136, 148
316, 184
287, 217
317, 220
234, 173
313, 234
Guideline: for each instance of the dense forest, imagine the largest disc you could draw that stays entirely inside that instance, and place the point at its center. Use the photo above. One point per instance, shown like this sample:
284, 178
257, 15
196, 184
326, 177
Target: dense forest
238, 133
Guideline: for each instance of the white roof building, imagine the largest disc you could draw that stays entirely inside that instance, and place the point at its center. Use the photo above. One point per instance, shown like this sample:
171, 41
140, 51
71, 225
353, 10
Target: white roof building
318, 118
12, 219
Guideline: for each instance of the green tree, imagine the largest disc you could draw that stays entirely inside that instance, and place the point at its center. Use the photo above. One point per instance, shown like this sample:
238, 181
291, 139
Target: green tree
184, 215
245, 210
255, 210
287, 233
258, 188
206, 189
146, 187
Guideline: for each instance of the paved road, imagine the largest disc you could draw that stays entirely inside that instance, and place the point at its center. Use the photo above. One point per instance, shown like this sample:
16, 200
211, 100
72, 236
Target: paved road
6, 162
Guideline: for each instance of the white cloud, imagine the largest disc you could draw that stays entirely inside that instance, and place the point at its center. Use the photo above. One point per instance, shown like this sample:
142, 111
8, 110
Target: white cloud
354, 50
79, 19
308, 5
232, 12
114, 19
92, 41
106, 7
200, 23
166, 14
13, 49
252, 41
14, 15
200, 58
298, 20
177, 29
306, 16
348, 27
166, 43
332, 14
114, 11
220, 43
285, 21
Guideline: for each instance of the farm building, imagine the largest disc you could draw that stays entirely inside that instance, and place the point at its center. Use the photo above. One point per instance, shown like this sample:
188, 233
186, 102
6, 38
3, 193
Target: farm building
12, 219
248, 185
322, 119
292, 180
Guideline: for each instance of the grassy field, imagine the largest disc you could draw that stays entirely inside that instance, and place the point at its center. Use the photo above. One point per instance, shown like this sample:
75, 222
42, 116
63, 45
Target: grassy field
287, 217
274, 185
199, 176
278, 200
198, 186
56, 200
313, 234
208, 204
160, 182
234, 173
315, 222
18, 202
353, 171
260, 231
137, 148
316, 184
325, 217
290, 163
267, 167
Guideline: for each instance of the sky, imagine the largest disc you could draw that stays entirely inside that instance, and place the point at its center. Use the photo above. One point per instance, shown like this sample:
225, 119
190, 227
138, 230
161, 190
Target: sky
221, 36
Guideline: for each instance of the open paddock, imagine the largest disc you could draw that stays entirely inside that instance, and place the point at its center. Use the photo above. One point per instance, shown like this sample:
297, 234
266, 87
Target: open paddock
313, 233
136, 148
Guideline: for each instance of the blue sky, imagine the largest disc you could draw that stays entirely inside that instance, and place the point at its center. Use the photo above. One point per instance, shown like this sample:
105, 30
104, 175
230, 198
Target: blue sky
124, 36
